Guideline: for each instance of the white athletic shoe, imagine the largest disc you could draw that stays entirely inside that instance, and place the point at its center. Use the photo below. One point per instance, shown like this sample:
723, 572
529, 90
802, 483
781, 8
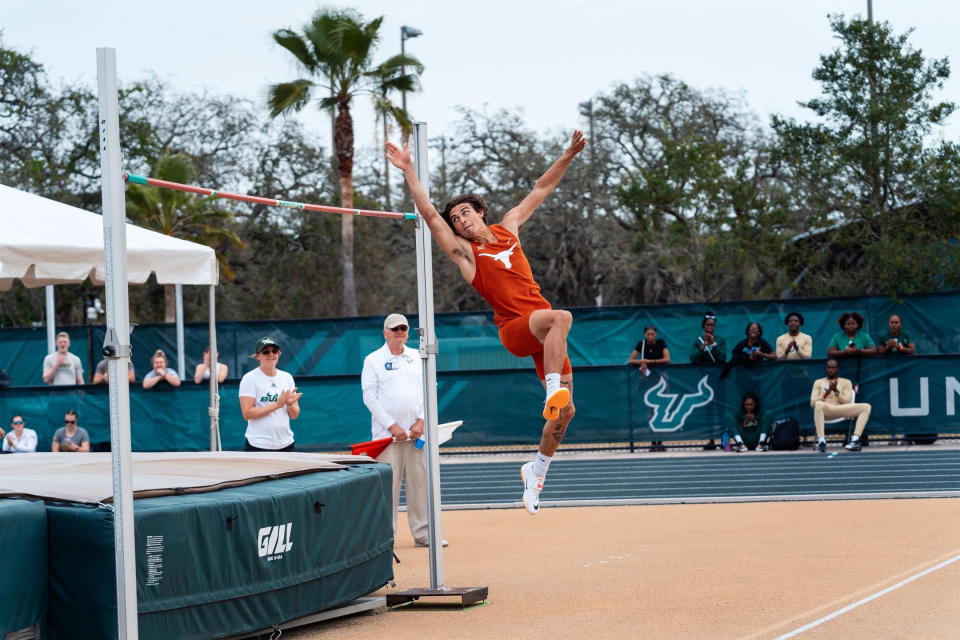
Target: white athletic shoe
532, 486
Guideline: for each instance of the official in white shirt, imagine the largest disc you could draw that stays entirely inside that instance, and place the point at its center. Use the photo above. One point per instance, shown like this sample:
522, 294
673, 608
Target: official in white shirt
392, 384
268, 401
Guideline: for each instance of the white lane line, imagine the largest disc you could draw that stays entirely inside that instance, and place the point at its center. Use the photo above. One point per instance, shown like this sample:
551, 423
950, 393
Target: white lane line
840, 612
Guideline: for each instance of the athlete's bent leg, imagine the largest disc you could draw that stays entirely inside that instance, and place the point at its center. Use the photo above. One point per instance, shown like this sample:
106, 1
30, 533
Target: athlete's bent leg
533, 473
554, 430
551, 327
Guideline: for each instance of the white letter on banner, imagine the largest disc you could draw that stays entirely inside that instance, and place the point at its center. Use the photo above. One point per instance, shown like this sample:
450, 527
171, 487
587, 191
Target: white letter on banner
953, 387
922, 410
262, 540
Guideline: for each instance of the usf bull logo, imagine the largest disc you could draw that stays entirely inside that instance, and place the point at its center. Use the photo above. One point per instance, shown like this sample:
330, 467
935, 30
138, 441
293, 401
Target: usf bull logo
669, 411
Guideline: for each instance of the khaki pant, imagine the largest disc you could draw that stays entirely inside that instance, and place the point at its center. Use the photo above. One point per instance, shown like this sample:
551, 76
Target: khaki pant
825, 411
411, 463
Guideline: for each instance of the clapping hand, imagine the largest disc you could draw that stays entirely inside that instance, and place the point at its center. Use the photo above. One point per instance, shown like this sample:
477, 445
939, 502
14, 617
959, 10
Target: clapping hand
292, 396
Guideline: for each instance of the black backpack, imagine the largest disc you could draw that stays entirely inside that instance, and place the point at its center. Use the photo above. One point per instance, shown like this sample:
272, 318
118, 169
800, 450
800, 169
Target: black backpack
786, 435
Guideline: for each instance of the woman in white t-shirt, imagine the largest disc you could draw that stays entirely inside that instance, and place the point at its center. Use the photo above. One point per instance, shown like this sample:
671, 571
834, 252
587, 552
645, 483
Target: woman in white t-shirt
268, 401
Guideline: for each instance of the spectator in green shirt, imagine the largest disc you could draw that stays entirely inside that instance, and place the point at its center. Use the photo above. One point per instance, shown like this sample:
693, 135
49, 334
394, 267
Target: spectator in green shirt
896, 340
708, 348
851, 341
749, 425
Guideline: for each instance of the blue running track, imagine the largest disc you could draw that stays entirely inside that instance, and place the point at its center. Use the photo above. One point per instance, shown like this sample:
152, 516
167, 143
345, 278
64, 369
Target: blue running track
801, 475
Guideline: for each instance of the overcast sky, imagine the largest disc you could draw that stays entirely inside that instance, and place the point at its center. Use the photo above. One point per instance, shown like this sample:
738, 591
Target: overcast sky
542, 56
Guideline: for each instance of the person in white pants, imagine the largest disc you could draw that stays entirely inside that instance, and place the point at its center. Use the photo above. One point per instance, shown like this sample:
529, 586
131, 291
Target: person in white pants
832, 397
392, 384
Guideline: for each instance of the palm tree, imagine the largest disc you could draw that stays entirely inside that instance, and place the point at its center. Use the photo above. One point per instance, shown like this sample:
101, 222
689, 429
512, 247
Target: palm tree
391, 77
181, 215
335, 50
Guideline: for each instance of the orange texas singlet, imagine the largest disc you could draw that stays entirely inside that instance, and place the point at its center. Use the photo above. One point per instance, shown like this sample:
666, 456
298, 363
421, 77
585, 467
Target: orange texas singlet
504, 278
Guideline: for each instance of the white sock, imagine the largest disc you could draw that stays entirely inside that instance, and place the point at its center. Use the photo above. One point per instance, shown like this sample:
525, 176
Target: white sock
854, 438
737, 438
540, 465
763, 438
553, 383
821, 440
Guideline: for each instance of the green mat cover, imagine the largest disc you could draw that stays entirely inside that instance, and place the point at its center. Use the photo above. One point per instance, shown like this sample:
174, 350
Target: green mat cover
23, 572
228, 562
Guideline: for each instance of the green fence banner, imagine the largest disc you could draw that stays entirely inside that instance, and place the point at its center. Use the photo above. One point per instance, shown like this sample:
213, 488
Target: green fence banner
614, 404
468, 341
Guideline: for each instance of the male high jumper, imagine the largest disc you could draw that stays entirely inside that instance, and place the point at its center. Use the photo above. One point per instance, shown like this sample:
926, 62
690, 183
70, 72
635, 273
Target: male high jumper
491, 259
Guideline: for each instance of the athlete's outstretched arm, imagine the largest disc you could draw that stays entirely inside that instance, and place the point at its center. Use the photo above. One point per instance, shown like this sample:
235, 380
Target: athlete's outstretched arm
446, 238
517, 216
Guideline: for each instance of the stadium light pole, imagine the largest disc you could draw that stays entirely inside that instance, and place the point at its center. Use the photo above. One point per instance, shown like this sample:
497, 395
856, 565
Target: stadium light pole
586, 109
405, 34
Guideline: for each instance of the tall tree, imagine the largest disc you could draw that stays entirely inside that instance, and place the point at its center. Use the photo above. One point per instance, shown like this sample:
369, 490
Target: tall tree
181, 215
336, 50
867, 166
690, 174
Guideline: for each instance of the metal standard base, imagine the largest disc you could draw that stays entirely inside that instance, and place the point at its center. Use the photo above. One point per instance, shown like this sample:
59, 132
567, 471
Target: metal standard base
467, 595
360, 605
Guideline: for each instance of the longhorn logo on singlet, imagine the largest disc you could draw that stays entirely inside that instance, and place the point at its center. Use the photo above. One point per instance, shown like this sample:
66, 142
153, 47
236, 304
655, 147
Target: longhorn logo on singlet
503, 256
671, 412
273, 541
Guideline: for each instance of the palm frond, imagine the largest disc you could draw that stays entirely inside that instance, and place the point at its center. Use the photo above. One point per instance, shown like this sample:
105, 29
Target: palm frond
288, 96
400, 62
292, 42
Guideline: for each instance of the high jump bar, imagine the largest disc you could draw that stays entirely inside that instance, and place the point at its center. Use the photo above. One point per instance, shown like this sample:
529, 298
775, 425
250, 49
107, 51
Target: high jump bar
272, 202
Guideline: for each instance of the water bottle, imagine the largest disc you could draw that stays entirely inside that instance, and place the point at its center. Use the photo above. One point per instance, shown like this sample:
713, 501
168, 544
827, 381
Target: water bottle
725, 440
419, 443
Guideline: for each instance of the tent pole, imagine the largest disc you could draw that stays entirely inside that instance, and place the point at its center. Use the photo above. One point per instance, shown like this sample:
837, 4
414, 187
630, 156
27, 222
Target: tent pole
428, 352
116, 345
214, 360
51, 320
178, 300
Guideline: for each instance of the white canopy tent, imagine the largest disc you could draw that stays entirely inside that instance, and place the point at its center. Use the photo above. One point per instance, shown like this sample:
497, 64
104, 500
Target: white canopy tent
45, 242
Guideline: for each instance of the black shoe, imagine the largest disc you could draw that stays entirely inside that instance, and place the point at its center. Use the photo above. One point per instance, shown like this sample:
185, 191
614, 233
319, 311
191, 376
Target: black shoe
710, 446
853, 445
822, 447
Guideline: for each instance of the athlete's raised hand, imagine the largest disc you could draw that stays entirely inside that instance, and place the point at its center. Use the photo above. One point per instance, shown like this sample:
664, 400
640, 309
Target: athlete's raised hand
577, 143
400, 158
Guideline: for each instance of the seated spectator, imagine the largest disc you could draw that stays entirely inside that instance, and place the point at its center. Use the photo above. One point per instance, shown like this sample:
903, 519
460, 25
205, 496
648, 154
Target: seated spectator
832, 397
62, 367
753, 348
651, 350
101, 373
794, 344
851, 341
70, 437
202, 371
749, 425
708, 348
896, 340
160, 372
20, 439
